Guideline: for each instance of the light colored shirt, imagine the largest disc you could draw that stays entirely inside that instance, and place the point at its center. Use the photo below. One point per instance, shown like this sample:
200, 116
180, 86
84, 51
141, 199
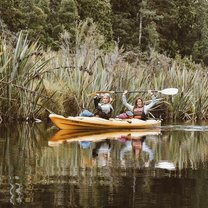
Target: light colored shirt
106, 108
146, 107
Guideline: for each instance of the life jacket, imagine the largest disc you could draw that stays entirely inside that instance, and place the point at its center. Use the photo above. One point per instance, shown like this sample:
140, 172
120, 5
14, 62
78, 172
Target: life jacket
101, 114
139, 113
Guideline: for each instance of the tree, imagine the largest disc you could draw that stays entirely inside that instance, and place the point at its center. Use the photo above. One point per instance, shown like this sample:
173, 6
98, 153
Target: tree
177, 29
68, 15
126, 23
200, 48
101, 13
134, 24
10, 14
62, 16
33, 19
167, 25
186, 26
147, 26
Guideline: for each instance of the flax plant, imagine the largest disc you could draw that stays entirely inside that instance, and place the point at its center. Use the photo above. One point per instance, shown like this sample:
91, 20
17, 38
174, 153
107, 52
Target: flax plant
82, 70
22, 70
190, 102
87, 68
28, 79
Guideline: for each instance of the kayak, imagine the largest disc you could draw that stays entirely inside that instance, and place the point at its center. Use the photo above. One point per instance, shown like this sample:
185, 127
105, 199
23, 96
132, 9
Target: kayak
98, 135
96, 123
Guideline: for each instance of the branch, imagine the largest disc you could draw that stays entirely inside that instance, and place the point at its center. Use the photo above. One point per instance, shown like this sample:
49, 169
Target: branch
25, 89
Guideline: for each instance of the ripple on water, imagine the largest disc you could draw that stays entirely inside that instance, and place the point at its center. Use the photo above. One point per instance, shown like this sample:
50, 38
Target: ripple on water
185, 128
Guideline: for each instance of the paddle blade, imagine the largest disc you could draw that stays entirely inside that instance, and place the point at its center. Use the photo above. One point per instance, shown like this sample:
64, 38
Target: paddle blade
169, 91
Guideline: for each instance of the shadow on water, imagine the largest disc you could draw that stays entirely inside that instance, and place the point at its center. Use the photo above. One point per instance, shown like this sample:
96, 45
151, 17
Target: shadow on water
40, 166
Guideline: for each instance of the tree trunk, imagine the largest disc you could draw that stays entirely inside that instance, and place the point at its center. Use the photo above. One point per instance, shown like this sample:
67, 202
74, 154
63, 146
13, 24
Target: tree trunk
140, 28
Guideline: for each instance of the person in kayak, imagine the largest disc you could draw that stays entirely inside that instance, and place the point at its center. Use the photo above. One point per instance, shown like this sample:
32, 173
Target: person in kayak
139, 110
103, 109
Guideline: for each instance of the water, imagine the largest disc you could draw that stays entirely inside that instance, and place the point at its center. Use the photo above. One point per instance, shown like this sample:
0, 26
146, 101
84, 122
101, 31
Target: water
40, 167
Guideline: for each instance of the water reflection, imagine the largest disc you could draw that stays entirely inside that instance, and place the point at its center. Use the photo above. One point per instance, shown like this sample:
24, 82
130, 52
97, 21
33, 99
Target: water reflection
20, 149
102, 149
40, 166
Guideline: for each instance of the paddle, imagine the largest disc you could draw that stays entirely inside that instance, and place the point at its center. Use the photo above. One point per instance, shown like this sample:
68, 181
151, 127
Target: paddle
167, 91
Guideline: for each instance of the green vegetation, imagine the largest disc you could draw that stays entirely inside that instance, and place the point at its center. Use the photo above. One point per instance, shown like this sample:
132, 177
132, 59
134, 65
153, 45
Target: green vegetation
168, 26
86, 46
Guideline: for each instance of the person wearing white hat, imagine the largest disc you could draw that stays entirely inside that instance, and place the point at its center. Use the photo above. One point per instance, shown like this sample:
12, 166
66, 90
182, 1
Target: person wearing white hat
103, 109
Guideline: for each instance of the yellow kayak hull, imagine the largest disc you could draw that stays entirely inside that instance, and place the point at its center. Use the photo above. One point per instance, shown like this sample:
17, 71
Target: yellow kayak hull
95, 123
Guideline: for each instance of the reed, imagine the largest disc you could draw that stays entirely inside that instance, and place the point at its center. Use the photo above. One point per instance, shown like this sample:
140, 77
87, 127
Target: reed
32, 81
190, 102
21, 78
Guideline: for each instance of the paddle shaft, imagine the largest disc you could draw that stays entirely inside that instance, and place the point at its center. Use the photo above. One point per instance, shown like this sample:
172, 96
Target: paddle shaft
117, 92
136, 91
167, 91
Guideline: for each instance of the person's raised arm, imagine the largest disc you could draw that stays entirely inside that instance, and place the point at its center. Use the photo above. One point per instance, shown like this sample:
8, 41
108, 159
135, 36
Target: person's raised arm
96, 102
153, 102
124, 101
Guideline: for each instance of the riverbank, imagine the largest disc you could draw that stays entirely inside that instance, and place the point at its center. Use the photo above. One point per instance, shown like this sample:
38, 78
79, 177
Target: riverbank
34, 82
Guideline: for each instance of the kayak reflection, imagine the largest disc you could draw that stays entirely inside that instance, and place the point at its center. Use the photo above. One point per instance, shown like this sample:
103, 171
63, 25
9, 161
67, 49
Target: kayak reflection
70, 135
98, 148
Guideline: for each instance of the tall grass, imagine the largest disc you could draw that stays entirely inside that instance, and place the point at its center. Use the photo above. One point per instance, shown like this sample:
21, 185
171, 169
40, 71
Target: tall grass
92, 69
191, 101
32, 81
22, 67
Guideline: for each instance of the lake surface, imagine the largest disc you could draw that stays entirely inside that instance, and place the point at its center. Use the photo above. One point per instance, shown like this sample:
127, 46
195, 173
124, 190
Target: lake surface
43, 167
